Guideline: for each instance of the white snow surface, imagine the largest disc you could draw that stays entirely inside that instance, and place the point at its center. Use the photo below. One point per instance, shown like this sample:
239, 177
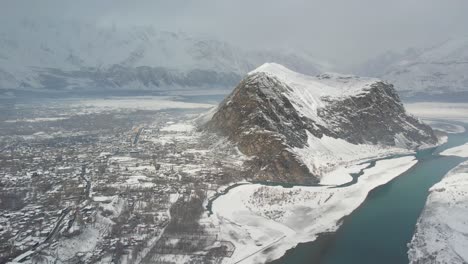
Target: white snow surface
442, 229
256, 217
307, 91
342, 174
460, 151
323, 155
135, 103
39, 119
179, 127
445, 126
442, 111
434, 70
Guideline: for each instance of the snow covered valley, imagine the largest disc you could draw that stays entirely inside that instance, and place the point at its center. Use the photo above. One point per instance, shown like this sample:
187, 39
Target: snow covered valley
266, 222
195, 189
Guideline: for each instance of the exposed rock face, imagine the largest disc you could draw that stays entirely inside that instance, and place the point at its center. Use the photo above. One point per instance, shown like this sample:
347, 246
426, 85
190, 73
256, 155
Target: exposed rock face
377, 118
274, 111
264, 123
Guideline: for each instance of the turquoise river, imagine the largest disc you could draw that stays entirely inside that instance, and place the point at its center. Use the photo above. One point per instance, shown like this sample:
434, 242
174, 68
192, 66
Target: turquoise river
380, 229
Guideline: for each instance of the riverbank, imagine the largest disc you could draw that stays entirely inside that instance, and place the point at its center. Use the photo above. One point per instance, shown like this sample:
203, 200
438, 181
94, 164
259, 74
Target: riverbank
442, 228
441, 231
379, 230
265, 221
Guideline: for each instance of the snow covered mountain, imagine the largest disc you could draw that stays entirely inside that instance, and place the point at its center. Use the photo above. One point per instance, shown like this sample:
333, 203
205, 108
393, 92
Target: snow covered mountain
441, 69
297, 127
63, 55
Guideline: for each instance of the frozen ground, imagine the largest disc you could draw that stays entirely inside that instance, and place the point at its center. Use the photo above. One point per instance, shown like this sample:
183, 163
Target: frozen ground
445, 111
330, 156
442, 231
43, 119
139, 103
461, 151
341, 175
265, 221
179, 127
445, 127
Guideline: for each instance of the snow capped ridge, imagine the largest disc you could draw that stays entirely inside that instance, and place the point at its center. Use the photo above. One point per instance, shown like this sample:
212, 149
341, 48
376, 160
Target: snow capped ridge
296, 127
269, 67
325, 84
53, 56
440, 69
277, 69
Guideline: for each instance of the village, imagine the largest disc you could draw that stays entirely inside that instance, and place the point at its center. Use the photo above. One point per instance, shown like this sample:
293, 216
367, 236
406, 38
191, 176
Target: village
135, 192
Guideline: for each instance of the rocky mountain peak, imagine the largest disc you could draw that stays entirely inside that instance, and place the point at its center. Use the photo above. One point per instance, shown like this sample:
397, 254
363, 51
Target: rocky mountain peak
288, 121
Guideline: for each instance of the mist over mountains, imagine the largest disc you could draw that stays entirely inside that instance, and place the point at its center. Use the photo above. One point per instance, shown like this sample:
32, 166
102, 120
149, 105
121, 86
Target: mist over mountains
51, 56
66, 56
437, 70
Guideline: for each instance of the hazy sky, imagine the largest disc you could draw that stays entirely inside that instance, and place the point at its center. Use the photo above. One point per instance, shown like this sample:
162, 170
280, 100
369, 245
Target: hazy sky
344, 31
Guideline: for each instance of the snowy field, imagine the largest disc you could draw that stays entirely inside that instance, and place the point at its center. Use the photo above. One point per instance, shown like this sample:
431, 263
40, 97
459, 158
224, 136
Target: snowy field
77, 106
265, 221
442, 230
446, 111
460, 151
40, 119
140, 103
445, 127
331, 157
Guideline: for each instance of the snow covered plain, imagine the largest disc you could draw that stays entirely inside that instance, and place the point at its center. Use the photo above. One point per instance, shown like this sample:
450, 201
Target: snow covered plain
136, 103
331, 157
445, 127
444, 111
461, 151
265, 221
442, 231
82, 106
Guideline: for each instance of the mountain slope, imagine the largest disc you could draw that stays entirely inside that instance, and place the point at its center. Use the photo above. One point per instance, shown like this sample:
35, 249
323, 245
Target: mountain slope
66, 55
296, 127
436, 70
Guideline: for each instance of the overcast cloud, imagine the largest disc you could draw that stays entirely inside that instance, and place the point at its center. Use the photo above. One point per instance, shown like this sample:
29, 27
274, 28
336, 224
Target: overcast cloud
343, 31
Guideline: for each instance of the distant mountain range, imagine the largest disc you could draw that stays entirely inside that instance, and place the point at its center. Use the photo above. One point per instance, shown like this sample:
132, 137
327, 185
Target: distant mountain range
57, 56
49, 56
438, 70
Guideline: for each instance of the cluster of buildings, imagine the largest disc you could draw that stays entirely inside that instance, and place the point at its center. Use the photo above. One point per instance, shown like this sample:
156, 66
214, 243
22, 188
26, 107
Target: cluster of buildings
112, 190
